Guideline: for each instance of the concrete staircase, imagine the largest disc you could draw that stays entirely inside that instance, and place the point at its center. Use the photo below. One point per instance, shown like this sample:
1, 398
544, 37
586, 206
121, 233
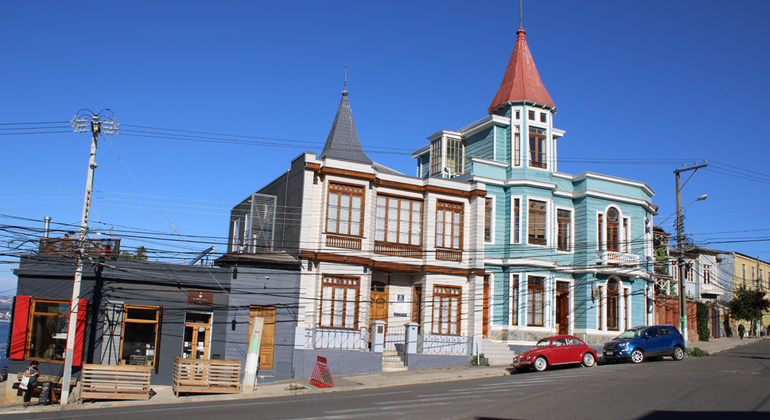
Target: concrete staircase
393, 361
498, 353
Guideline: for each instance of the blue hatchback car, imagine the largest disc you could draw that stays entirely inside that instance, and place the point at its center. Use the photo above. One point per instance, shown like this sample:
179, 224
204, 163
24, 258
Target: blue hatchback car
639, 343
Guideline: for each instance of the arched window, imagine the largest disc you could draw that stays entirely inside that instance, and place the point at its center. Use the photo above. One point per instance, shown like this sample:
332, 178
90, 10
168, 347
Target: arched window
613, 305
613, 230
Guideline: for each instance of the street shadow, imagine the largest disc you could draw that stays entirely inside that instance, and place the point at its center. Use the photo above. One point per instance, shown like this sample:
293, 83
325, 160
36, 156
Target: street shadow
704, 415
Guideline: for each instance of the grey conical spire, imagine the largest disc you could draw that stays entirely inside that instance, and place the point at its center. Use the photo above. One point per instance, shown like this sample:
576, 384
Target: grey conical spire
343, 142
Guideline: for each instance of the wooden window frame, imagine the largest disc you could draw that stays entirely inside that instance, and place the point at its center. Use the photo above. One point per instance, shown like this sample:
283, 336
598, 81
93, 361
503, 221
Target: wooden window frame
516, 230
125, 320
352, 190
564, 225
532, 226
613, 305
537, 148
345, 283
535, 290
31, 316
442, 293
600, 231
613, 230
385, 218
451, 208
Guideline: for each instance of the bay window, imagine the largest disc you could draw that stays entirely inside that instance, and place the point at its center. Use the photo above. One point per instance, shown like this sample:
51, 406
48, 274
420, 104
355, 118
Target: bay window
537, 147
536, 223
398, 220
345, 215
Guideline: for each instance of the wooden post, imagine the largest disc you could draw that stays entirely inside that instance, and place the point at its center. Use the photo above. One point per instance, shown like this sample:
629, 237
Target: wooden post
252, 357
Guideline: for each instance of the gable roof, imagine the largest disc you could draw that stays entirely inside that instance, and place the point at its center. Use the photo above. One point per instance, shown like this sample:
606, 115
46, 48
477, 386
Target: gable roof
343, 142
521, 81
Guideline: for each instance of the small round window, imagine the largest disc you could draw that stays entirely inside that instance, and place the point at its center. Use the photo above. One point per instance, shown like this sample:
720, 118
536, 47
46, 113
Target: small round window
612, 214
612, 286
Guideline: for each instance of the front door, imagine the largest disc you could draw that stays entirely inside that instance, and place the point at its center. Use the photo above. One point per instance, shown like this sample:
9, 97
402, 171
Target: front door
197, 335
562, 306
267, 343
378, 305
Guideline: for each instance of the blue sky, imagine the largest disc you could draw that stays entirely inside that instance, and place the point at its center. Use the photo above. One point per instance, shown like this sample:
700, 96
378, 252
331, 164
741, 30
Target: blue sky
640, 88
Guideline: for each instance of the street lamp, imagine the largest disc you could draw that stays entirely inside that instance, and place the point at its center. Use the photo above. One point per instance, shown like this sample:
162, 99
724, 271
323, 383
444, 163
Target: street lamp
679, 240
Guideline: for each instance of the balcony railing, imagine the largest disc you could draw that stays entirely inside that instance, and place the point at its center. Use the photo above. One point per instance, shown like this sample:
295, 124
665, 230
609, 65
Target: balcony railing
616, 258
449, 255
108, 248
343, 242
398, 250
536, 164
710, 289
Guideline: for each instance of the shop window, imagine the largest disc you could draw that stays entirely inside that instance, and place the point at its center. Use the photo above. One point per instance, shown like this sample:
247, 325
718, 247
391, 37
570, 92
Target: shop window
140, 335
339, 302
446, 310
40, 330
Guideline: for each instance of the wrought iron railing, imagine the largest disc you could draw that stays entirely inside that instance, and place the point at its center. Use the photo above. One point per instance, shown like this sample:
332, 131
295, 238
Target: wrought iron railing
336, 339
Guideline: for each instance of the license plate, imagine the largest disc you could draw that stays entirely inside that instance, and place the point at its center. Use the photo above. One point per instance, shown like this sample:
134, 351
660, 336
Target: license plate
610, 353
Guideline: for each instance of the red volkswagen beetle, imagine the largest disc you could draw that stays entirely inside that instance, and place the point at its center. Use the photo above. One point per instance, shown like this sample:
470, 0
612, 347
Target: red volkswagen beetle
554, 351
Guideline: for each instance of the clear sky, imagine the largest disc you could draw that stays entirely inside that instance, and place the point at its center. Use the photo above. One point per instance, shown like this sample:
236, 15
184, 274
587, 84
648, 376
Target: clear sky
640, 88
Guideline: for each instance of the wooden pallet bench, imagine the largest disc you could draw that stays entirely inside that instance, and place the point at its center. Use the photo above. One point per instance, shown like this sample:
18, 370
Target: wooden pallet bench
110, 382
206, 376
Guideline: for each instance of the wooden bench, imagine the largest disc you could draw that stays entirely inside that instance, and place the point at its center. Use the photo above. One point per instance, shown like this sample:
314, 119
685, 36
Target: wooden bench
56, 382
206, 376
111, 382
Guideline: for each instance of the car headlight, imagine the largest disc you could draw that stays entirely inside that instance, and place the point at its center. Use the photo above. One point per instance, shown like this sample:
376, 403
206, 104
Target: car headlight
623, 345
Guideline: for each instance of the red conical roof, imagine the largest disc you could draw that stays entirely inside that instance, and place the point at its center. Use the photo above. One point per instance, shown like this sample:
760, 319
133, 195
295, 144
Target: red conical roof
521, 81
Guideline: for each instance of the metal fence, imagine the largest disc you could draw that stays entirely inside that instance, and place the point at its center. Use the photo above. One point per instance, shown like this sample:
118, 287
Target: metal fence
395, 339
335, 339
444, 344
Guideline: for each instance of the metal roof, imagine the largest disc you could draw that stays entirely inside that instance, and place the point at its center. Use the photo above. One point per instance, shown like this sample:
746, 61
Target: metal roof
343, 142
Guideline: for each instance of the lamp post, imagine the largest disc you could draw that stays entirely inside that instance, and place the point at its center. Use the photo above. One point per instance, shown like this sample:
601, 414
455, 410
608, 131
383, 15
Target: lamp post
679, 245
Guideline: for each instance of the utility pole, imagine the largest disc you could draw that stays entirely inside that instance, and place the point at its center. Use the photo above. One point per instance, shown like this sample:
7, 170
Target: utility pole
98, 124
680, 248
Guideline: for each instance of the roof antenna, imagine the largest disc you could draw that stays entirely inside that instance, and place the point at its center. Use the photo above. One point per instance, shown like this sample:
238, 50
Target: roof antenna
520, 6
345, 86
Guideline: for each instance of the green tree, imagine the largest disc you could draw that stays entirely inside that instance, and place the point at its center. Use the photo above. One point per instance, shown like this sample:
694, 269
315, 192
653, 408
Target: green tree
139, 254
748, 305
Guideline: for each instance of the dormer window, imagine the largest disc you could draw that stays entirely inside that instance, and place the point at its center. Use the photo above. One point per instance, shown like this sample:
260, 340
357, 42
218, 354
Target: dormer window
447, 156
537, 147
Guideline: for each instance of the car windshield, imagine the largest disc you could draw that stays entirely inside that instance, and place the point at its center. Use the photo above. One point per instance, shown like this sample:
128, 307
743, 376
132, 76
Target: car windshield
629, 334
543, 343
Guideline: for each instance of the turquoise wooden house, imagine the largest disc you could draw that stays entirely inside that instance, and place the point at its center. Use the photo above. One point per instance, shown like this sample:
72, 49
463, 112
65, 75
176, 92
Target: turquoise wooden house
567, 254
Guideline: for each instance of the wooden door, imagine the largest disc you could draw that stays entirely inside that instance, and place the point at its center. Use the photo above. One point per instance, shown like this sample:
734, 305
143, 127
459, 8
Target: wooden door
197, 335
562, 310
267, 344
378, 305
485, 310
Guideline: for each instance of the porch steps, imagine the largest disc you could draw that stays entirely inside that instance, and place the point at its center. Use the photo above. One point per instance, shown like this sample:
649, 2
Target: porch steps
498, 353
393, 361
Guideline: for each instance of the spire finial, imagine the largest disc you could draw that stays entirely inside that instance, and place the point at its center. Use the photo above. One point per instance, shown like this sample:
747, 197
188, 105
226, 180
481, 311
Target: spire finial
345, 86
520, 15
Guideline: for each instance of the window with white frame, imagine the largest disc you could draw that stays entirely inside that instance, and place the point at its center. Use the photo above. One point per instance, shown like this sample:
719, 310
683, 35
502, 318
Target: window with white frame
516, 149
564, 224
516, 222
514, 305
613, 230
536, 223
436, 165
707, 273
600, 311
446, 310
455, 155
535, 300
537, 147
613, 305
626, 236
339, 302
489, 219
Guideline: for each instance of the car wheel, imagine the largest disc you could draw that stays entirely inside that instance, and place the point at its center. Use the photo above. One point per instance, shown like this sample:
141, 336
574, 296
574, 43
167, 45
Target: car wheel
637, 356
678, 353
540, 364
589, 360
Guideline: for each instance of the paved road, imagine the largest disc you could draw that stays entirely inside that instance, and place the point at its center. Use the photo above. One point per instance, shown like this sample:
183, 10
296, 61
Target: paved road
730, 385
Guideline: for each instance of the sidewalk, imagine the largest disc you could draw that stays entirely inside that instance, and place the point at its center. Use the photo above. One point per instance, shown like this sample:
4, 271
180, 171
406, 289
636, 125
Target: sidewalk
164, 394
